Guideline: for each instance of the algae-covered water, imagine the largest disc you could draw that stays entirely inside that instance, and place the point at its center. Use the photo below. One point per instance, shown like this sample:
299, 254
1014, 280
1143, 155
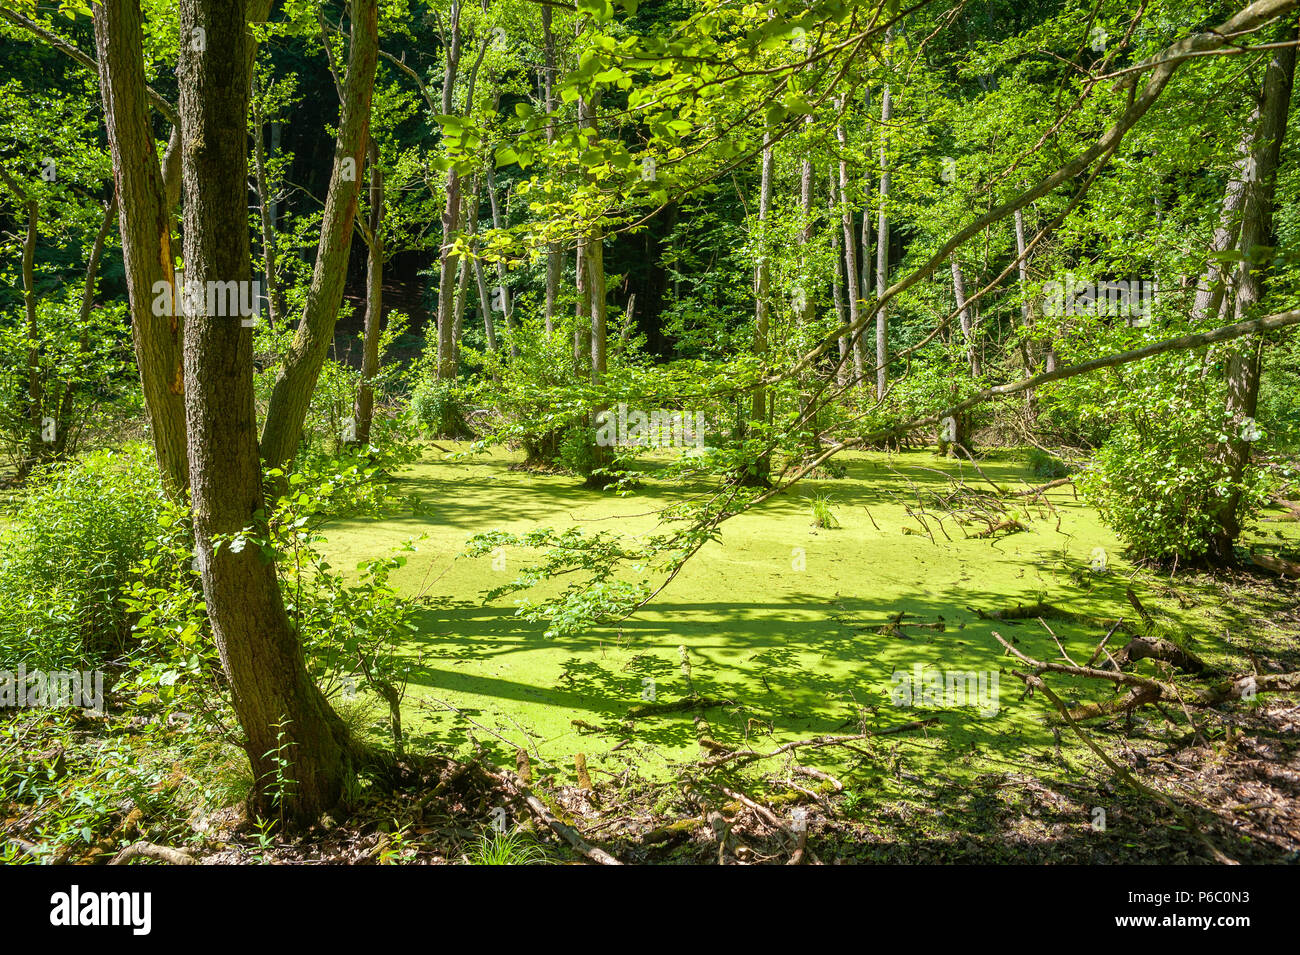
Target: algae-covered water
788, 621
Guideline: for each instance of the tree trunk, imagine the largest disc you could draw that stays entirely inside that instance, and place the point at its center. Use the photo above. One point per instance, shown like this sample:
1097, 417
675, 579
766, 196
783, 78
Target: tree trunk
882, 250
296, 380
837, 285
594, 258
266, 214
364, 412
447, 273
554, 256
581, 312
507, 300
856, 340
300, 751
144, 220
1245, 358
966, 317
484, 298
758, 411
806, 307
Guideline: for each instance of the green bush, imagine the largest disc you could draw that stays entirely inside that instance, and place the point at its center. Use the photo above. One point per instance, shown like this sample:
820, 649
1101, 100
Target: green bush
1046, 466
1156, 481
439, 407
67, 559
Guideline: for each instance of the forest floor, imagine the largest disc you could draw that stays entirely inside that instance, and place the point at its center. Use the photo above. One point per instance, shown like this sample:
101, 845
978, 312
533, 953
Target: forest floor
789, 740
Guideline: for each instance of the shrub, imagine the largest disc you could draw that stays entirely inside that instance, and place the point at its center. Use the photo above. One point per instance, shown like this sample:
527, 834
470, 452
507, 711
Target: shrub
440, 407
67, 559
1046, 466
1156, 481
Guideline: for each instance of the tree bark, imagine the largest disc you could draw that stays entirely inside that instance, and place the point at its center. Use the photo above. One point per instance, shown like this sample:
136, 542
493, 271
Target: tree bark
837, 285
594, 259
882, 250
1245, 359
554, 256
266, 215
966, 317
480, 281
144, 220
507, 300
364, 412
447, 273
856, 342
758, 411
300, 751
296, 380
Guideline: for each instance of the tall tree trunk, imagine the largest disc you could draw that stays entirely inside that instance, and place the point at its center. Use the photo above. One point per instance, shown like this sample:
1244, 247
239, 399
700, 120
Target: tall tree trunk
960, 438
507, 300
1210, 293
865, 233
462, 299
266, 214
484, 297
851, 264
837, 285
300, 751
447, 273
296, 380
1245, 358
966, 317
581, 312
594, 258
806, 308
144, 220
554, 256
364, 411
882, 249
758, 411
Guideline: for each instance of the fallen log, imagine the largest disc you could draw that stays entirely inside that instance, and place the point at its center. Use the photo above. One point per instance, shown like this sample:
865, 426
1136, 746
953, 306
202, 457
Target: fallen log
679, 706
1284, 568
1053, 612
1157, 648
1011, 526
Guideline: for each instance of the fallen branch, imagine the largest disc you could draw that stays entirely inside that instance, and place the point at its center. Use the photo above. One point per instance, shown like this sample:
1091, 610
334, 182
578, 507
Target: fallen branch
744, 757
567, 832
1036, 491
150, 850
1011, 526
